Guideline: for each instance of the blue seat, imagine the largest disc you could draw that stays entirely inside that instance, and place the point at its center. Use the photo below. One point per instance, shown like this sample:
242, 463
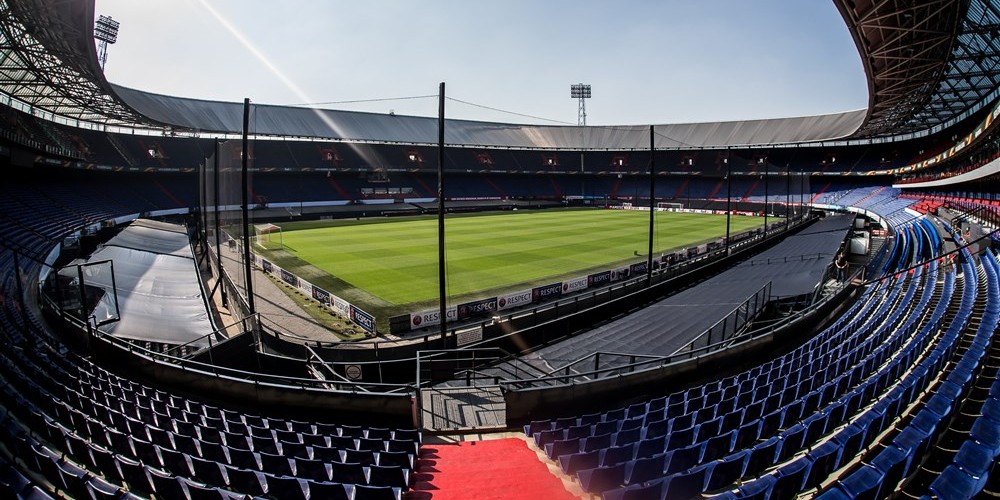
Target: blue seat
208, 472
762, 456
790, 479
348, 473
285, 487
574, 462
688, 484
649, 447
636, 492
757, 490
314, 470
825, 459
684, 458
987, 433
365, 492
599, 442
388, 475
727, 471
327, 490
892, 461
166, 486
863, 483
599, 479
645, 469
953, 483
974, 458
718, 446
617, 454
245, 481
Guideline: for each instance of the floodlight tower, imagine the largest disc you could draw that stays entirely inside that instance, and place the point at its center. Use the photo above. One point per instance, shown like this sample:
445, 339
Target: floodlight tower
106, 32
581, 92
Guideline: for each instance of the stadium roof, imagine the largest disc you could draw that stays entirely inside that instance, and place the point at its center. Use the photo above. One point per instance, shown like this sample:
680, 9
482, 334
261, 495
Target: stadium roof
928, 65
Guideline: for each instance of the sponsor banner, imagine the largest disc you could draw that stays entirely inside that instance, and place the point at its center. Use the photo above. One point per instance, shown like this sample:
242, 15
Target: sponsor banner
340, 306
363, 319
321, 295
512, 300
619, 274
543, 293
466, 337
288, 277
267, 266
477, 308
636, 269
598, 279
431, 317
305, 287
574, 285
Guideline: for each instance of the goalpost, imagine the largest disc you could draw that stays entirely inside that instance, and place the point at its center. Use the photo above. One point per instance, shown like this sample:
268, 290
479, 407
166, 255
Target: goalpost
262, 236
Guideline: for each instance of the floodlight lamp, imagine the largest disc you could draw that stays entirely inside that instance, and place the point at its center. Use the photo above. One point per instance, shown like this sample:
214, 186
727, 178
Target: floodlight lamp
579, 91
106, 29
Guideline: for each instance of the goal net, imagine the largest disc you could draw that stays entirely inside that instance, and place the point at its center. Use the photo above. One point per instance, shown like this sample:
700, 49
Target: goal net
267, 236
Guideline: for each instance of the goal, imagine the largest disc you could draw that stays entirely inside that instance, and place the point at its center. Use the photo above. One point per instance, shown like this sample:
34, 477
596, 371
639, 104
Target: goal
663, 205
263, 236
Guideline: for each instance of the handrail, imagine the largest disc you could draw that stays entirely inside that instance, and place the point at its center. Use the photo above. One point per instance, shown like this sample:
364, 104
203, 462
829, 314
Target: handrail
735, 312
674, 358
229, 373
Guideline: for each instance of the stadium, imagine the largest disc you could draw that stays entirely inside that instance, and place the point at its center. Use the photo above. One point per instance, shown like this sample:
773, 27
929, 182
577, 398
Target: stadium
207, 299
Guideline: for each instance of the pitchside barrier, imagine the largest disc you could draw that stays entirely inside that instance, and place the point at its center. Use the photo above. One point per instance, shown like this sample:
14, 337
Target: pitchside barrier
339, 306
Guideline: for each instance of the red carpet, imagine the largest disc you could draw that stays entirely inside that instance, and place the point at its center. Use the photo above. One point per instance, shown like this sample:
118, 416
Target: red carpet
501, 468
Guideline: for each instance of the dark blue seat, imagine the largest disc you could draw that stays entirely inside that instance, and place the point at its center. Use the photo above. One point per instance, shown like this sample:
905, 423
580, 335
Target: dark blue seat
397, 458
617, 454
726, 472
208, 472
315, 470
863, 483
599, 479
166, 486
684, 458
718, 446
790, 479
954, 483
891, 461
327, 490
599, 442
757, 490
645, 469
761, 456
974, 458
636, 491
245, 481
285, 487
824, 460
365, 492
574, 462
388, 475
348, 473
688, 484
649, 447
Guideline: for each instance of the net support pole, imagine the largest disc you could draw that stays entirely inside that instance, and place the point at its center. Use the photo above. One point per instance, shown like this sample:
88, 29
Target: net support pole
218, 226
729, 196
788, 195
442, 293
652, 204
247, 266
765, 197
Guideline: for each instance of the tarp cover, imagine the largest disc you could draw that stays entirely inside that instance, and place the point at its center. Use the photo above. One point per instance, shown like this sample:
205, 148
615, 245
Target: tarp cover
159, 295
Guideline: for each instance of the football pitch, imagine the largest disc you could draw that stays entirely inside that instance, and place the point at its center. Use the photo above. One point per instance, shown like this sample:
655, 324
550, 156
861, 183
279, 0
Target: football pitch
395, 260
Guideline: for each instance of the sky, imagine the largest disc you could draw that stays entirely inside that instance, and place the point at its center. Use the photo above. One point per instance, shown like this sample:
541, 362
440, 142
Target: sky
648, 61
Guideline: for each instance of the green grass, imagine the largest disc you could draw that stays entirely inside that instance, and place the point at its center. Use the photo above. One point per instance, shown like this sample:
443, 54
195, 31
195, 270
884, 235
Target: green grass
394, 261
